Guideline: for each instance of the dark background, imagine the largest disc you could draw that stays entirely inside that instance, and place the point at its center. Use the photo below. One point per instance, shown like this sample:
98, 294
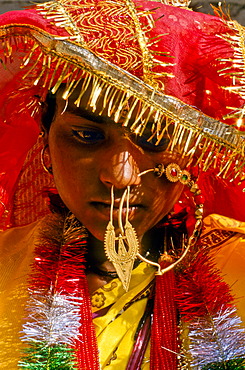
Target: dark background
237, 7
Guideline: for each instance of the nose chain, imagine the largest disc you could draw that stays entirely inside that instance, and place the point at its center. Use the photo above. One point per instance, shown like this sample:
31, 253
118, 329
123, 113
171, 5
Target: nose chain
123, 249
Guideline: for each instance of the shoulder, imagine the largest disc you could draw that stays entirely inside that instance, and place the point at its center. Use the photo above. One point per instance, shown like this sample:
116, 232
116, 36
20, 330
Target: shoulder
219, 230
16, 253
15, 239
226, 237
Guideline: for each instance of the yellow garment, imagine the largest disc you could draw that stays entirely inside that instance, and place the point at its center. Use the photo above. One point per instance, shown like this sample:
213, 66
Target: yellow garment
120, 331
226, 236
228, 252
16, 251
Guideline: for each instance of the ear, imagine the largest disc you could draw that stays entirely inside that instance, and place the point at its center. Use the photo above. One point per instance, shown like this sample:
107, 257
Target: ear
45, 153
44, 135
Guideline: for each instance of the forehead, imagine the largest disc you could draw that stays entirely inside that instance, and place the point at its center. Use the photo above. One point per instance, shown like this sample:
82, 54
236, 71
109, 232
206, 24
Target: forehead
83, 110
99, 114
82, 103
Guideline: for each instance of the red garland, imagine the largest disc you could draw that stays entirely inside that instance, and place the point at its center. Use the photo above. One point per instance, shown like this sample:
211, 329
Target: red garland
59, 264
164, 334
87, 353
195, 292
200, 290
72, 280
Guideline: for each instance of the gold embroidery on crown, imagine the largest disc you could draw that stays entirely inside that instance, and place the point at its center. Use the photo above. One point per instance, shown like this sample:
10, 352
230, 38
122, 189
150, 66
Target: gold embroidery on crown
51, 60
104, 26
56, 12
236, 69
178, 3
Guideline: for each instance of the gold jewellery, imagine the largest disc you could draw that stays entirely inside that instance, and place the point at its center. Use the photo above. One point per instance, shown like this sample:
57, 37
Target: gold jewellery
123, 249
172, 171
43, 161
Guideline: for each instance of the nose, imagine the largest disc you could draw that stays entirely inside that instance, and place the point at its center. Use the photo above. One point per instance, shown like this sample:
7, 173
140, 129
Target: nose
119, 166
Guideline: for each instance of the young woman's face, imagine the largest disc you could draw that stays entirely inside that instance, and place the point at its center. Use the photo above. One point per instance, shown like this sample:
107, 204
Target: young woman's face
89, 154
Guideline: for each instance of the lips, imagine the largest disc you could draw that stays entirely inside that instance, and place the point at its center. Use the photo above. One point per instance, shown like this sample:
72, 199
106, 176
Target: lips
104, 208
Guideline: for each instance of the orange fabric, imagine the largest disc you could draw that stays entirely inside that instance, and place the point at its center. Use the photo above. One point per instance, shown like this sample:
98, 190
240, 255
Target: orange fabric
230, 256
16, 250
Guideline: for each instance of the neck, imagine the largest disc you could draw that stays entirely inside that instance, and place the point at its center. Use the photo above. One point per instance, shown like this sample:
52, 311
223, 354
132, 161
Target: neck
150, 246
96, 254
100, 271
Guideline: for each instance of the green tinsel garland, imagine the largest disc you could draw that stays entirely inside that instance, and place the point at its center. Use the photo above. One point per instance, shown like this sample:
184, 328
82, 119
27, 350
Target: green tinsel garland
236, 364
42, 357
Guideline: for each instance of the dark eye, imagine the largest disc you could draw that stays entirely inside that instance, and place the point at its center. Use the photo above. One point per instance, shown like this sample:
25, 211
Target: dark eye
152, 144
89, 135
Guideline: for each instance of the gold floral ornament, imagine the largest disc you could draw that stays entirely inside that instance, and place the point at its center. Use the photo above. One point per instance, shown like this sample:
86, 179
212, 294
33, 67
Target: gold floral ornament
98, 299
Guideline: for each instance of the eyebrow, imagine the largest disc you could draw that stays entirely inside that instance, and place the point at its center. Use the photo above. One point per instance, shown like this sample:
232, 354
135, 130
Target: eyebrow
81, 112
91, 116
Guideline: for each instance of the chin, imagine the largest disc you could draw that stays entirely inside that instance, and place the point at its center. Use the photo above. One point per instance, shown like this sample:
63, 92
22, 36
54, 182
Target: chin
98, 230
97, 234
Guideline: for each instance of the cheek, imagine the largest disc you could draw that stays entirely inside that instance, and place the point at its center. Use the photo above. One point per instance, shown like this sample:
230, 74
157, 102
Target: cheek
64, 167
72, 173
72, 176
162, 196
165, 196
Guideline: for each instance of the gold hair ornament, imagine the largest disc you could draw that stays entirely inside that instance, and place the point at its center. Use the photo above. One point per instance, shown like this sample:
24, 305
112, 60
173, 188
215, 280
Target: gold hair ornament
122, 250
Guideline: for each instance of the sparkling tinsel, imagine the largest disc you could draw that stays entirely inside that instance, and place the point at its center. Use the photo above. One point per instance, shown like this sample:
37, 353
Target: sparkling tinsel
59, 304
217, 340
206, 305
39, 356
59, 332
54, 319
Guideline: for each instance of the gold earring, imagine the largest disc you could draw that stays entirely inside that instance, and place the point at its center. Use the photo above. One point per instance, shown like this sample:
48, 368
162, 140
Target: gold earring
199, 204
121, 250
45, 167
174, 173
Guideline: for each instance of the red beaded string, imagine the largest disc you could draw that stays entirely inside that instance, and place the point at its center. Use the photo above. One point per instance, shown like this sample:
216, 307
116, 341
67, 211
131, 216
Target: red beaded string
87, 349
71, 279
164, 335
